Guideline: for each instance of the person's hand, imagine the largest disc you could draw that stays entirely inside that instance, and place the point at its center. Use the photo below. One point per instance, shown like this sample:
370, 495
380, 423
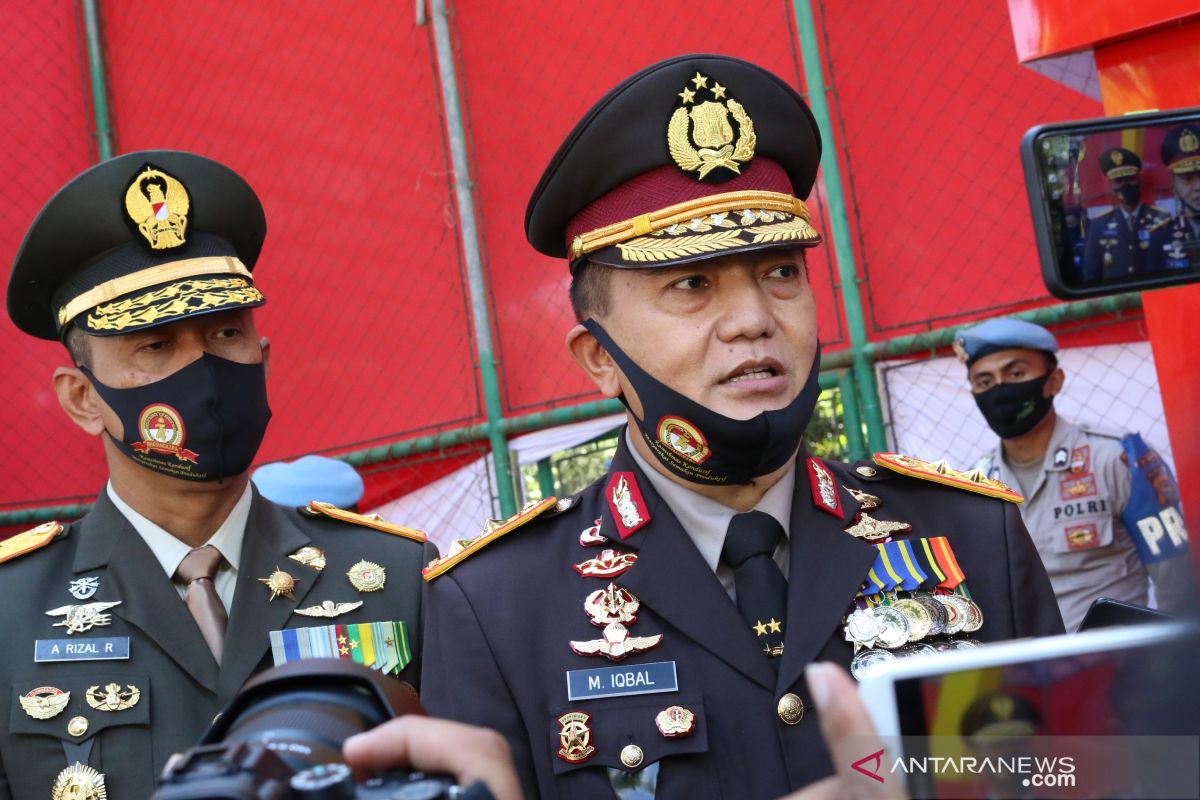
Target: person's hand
850, 735
465, 752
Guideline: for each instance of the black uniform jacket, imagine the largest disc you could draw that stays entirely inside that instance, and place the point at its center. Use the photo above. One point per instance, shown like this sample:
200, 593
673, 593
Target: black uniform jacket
498, 626
181, 687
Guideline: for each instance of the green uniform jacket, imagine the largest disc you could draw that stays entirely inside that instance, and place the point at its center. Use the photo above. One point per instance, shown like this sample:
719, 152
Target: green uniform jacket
181, 686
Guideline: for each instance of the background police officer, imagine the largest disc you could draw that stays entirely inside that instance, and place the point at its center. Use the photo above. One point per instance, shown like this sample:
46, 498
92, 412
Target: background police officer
1175, 243
125, 632
1118, 241
1076, 480
651, 633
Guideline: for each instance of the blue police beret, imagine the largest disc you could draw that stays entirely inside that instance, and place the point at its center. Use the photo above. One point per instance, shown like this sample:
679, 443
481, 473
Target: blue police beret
972, 344
309, 478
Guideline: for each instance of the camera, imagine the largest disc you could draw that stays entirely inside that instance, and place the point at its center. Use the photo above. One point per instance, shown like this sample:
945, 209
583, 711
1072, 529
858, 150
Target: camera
281, 737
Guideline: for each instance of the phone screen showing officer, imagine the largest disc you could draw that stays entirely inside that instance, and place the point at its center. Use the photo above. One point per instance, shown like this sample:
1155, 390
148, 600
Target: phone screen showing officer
1102, 724
1116, 202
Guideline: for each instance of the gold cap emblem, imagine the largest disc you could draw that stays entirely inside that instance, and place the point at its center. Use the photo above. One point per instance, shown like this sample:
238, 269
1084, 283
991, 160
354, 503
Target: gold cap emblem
1117, 158
1188, 141
158, 205
701, 135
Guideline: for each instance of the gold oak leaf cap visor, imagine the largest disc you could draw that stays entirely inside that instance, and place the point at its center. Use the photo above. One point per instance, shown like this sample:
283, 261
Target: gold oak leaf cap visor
140, 240
691, 158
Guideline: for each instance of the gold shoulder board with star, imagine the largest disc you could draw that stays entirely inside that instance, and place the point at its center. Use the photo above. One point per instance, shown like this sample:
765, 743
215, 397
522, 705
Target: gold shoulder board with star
28, 541
373, 521
493, 529
941, 472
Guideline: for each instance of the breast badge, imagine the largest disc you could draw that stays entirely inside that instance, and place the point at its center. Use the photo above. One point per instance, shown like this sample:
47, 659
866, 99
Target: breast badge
44, 702
310, 557
591, 536
112, 697
280, 584
609, 564
675, 721
617, 644
367, 576
329, 609
79, 782
611, 604
574, 737
83, 588
80, 619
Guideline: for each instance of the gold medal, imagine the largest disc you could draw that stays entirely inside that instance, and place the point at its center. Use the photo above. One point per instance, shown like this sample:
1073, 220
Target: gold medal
310, 557
328, 608
893, 627
957, 613
44, 702
367, 576
79, 782
280, 583
974, 616
80, 619
920, 622
675, 721
111, 698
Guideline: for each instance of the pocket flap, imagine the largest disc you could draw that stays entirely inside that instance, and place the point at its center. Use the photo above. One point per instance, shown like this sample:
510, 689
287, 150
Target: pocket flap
76, 710
595, 732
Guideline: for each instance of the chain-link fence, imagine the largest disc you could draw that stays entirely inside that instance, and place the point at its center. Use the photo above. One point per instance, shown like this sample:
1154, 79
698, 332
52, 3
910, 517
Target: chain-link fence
338, 120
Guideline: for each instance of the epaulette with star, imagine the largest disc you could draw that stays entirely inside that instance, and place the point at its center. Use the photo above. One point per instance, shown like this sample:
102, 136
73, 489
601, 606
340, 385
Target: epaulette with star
493, 529
941, 472
30, 540
374, 521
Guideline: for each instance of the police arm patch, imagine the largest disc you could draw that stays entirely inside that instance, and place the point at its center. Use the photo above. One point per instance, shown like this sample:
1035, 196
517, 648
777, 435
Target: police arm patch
940, 472
493, 529
374, 521
30, 540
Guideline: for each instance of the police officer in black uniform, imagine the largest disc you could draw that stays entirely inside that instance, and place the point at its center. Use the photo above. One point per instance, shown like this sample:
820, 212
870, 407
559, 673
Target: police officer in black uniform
1118, 241
1175, 243
125, 632
650, 633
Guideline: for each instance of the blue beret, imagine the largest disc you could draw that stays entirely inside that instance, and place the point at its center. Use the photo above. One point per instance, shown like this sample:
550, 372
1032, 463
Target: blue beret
309, 478
972, 344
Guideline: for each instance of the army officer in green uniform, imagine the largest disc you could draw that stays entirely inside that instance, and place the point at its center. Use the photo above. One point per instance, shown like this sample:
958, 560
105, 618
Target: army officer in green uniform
125, 632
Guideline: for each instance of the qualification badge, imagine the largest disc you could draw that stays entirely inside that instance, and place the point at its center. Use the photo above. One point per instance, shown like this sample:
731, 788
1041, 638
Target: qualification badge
280, 583
367, 576
675, 721
112, 697
83, 588
80, 619
79, 782
609, 564
310, 556
328, 608
574, 737
591, 536
611, 604
44, 702
616, 644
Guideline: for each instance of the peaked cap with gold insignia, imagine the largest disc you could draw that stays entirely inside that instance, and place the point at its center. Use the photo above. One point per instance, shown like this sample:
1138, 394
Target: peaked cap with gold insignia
1119, 162
1181, 149
140, 240
694, 157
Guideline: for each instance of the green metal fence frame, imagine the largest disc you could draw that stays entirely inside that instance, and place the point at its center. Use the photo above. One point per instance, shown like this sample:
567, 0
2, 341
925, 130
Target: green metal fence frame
851, 371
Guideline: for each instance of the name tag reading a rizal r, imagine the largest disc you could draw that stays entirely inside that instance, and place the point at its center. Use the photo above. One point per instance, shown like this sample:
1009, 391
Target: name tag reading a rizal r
586, 684
111, 648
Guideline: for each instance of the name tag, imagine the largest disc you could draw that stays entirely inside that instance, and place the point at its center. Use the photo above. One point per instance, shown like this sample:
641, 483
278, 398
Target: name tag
110, 648
587, 684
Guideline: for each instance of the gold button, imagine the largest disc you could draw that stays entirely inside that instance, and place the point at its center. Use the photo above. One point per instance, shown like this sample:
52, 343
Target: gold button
631, 756
790, 709
77, 726
866, 472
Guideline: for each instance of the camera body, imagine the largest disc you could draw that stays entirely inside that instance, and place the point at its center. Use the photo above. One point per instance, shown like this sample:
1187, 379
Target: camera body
281, 738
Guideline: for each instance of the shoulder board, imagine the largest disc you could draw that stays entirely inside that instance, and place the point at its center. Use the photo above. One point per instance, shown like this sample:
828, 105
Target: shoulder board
373, 521
1159, 222
493, 529
941, 472
1101, 432
30, 540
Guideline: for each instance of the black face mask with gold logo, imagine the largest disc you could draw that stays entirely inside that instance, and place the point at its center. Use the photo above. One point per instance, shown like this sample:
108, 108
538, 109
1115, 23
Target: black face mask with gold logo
204, 422
702, 446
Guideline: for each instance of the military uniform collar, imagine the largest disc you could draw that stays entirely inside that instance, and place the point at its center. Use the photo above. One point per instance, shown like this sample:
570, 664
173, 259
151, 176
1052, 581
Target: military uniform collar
170, 551
705, 520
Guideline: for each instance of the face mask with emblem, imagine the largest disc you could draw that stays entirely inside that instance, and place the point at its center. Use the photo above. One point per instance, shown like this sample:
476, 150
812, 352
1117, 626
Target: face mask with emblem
1013, 409
702, 446
203, 422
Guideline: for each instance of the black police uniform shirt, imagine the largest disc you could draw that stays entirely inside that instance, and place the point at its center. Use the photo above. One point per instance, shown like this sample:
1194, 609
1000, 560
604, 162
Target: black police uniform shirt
499, 624
179, 686
1118, 244
1175, 244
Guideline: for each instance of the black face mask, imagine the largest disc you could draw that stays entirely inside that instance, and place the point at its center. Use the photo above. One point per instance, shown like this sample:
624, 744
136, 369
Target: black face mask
1013, 409
702, 446
204, 422
1129, 195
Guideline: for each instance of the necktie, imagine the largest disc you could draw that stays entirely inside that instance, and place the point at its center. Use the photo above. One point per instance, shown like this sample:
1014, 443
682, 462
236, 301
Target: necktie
196, 571
761, 588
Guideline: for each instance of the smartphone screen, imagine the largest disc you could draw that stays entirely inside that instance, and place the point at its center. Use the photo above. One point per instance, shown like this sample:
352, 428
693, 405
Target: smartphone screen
1116, 202
1122, 723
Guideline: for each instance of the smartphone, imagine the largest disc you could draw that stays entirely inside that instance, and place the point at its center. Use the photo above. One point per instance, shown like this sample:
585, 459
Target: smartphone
1110, 712
1115, 202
